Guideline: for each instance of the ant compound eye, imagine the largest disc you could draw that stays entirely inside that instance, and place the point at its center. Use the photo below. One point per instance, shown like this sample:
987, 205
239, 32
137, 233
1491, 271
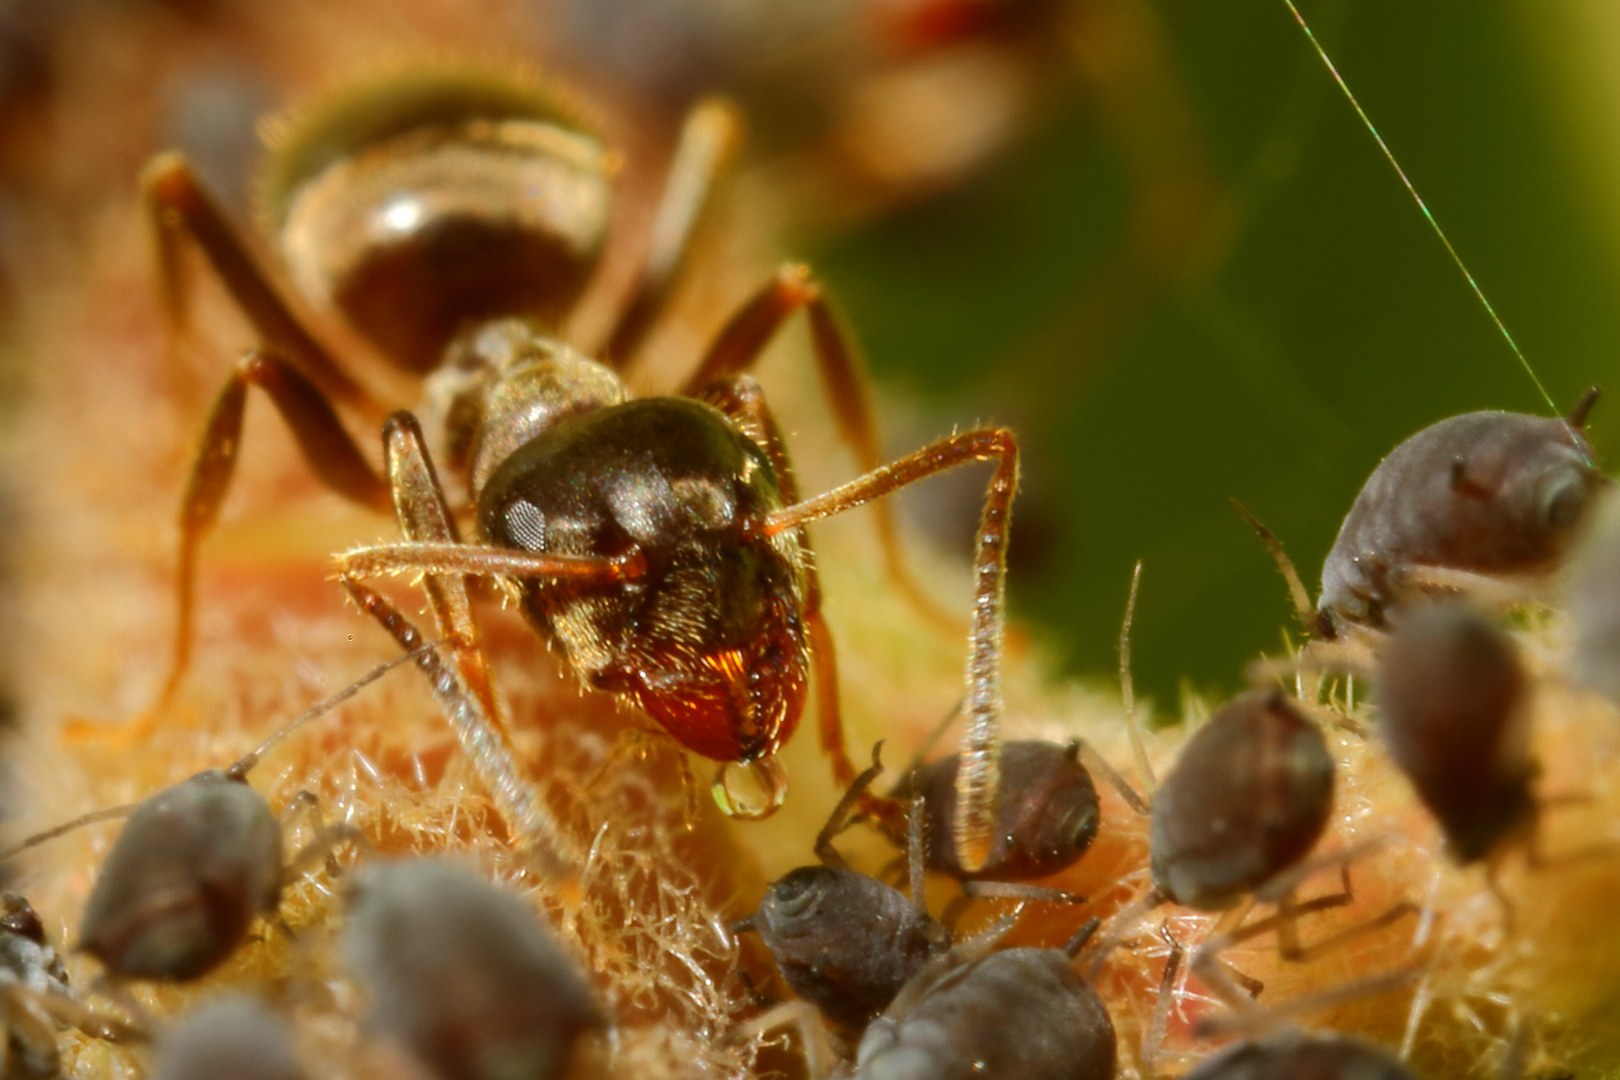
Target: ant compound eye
1561, 497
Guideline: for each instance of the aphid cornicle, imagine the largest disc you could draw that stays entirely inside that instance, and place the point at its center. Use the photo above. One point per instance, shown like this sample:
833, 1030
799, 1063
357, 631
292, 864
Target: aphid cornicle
1016, 1014
845, 941
231, 1036
1298, 1056
1453, 700
660, 543
462, 974
1491, 494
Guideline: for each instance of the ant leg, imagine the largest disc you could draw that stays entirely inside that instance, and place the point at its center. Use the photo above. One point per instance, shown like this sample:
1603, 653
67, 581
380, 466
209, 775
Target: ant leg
1303, 609
708, 141
424, 516
177, 204
483, 739
326, 446
739, 346
978, 777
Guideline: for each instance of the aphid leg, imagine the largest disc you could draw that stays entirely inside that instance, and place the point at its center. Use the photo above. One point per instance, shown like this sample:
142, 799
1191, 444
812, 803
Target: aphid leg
324, 839
978, 777
482, 738
739, 346
331, 454
1252, 1021
814, 1038
1018, 890
1159, 1022
178, 205
829, 855
1127, 695
1303, 609
707, 144
306, 802
1079, 750
1493, 884
741, 399
1121, 924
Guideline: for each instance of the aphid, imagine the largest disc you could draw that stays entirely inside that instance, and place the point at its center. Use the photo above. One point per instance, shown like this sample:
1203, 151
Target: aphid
1016, 1014
29, 970
231, 1036
844, 941
658, 542
1298, 1056
1453, 699
1494, 495
194, 865
1248, 799
462, 974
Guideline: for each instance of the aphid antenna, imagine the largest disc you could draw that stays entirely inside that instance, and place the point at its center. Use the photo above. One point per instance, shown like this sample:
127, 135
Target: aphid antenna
829, 855
247, 761
1428, 215
236, 771
1127, 694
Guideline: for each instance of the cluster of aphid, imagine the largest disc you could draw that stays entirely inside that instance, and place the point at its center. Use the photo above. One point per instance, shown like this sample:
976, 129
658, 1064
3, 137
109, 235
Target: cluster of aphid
658, 544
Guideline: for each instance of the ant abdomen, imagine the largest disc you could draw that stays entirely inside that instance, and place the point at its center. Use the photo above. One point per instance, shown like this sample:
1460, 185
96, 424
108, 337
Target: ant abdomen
438, 199
1248, 798
1452, 696
1495, 494
1046, 819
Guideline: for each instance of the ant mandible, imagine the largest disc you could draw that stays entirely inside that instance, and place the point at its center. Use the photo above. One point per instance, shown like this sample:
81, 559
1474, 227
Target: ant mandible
454, 219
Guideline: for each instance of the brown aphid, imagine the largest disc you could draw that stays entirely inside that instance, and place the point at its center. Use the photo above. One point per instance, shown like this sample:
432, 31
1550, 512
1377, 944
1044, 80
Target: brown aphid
1488, 494
845, 941
1047, 817
1298, 1056
1592, 600
462, 974
231, 1036
1016, 1014
658, 543
1248, 799
195, 865
1453, 700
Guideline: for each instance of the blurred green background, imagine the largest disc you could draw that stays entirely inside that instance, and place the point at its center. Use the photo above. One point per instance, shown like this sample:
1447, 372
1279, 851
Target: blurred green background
1232, 295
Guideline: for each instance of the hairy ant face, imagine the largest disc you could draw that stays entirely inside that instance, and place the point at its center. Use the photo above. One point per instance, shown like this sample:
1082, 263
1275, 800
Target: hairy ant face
1017, 1012
1492, 493
1452, 697
436, 200
191, 869
709, 642
1047, 817
1248, 798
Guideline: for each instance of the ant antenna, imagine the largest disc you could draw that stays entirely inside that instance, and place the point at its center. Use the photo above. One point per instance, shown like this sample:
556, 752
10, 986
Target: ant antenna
236, 771
320, 708
1423, 206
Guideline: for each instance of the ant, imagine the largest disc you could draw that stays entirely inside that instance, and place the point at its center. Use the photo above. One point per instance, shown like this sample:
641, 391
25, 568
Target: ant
1020, 1012
658, 542
196, 863
1466, 503
462, 974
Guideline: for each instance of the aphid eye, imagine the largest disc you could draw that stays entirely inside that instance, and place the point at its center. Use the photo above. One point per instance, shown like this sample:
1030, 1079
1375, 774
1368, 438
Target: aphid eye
1561, 496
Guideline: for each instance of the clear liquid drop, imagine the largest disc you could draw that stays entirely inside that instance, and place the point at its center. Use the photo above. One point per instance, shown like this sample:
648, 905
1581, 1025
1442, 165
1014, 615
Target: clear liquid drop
750, 791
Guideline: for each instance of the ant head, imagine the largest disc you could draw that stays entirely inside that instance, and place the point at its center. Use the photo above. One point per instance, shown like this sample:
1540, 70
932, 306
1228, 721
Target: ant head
419, 203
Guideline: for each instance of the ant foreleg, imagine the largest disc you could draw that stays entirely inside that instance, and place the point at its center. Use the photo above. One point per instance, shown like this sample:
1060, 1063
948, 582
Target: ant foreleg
708, 141
977, 778
483, 739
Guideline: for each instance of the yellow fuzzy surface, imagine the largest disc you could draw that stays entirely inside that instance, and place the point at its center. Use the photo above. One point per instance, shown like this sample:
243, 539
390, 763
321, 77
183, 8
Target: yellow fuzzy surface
97, 459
